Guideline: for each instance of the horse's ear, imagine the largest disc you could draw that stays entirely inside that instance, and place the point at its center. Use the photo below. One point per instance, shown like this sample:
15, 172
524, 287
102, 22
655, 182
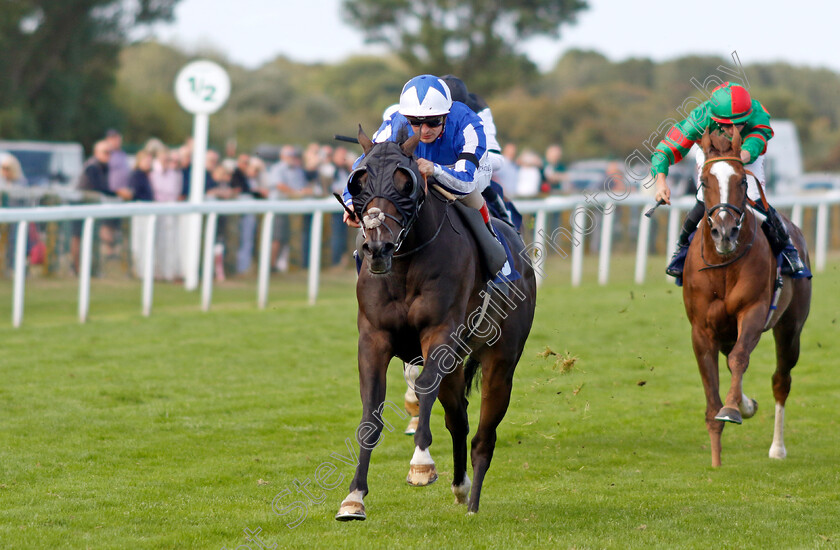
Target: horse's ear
736, 141
411, 144
706, 142
364, 141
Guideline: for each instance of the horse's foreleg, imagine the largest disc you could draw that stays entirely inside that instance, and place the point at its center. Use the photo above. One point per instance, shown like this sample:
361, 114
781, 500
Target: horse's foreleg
454, 402
750, 326
706, 352
786, 334
374, 355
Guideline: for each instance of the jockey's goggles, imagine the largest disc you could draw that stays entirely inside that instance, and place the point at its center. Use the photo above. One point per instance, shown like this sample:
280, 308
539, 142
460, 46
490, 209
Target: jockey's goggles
430, 121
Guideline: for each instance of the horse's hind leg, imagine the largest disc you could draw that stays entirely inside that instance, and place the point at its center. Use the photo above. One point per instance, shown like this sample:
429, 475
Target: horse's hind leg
786, 335
497, 383
454, 402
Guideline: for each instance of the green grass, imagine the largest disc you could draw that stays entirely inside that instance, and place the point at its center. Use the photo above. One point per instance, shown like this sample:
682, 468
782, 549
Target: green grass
178, 430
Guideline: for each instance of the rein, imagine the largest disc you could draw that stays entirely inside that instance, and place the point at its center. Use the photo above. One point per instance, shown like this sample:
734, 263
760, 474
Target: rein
443, 218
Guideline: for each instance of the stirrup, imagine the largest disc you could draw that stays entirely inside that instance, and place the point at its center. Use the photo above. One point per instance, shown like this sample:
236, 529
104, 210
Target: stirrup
792, 264
675, 268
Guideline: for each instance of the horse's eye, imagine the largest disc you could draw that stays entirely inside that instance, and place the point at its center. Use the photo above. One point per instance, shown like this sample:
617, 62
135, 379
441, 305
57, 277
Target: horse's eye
406, 186
356, 181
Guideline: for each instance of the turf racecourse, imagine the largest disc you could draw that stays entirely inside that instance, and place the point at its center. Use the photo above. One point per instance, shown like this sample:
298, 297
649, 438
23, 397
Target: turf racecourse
178, 431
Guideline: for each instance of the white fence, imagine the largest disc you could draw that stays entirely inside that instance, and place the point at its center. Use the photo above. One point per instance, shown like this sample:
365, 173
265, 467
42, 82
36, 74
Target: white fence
544, 238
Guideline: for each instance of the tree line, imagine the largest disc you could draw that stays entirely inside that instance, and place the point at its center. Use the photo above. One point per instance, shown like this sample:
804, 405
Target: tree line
70, 73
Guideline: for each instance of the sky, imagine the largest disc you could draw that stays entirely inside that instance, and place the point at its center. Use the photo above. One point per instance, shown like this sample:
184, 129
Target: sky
806, 32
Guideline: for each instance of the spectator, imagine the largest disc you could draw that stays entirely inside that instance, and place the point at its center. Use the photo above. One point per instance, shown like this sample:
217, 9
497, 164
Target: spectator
95, 178
10, 171
167, 183
141, 190
253, 169
118, 166
239, 179
211, 161
554, 170
139, 184
509, 172
95, 171
312, 162
287, 180
341, 164
529, 176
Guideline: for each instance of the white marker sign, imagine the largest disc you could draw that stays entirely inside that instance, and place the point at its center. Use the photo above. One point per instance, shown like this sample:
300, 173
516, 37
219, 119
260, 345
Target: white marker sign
202, 87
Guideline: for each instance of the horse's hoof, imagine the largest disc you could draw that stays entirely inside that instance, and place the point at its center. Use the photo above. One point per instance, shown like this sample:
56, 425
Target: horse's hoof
778, 452
748, 407
462, 492
350, 510
412, 425
728, 414
421, 475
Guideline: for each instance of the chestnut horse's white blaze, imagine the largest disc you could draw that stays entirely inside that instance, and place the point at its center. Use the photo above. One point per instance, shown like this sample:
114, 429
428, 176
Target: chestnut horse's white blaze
777, 449
723, 171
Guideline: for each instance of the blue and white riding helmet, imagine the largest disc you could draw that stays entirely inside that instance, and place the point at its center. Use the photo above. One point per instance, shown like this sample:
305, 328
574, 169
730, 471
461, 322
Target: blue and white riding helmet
425, 95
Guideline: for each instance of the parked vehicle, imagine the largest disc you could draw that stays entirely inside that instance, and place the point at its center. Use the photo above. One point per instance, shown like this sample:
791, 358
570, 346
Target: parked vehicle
47, 163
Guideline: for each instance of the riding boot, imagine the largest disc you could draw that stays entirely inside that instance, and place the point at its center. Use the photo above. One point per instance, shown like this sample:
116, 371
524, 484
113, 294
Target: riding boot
497, 205
780, 243
675, 267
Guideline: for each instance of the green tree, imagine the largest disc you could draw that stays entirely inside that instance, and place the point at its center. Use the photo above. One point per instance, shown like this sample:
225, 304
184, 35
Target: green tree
474, 39
59, 60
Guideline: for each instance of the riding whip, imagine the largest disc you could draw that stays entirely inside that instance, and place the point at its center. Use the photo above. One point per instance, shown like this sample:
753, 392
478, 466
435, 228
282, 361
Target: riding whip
659, 203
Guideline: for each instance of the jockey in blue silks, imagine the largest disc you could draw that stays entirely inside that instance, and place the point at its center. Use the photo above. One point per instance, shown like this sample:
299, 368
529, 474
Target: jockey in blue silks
452, 141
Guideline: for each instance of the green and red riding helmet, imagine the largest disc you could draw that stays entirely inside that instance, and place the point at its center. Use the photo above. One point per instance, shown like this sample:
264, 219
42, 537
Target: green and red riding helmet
730, 103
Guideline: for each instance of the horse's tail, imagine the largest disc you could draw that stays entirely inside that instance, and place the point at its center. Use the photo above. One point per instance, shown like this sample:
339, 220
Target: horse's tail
470, 370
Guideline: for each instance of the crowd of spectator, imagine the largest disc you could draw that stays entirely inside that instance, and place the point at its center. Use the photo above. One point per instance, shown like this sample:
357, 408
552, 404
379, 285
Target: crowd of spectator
163, 174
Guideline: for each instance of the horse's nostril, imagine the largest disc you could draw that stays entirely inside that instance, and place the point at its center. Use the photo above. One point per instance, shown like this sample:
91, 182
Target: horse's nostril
715, 232
733, 234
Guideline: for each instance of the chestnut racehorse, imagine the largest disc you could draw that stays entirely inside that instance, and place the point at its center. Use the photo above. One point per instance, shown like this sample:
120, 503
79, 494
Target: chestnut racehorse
729, 282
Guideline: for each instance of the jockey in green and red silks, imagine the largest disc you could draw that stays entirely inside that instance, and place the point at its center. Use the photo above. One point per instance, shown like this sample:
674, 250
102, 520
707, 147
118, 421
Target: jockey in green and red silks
730, 106
735, 107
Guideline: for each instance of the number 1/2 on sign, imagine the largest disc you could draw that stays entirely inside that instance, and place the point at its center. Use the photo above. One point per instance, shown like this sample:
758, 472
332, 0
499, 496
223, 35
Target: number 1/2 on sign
203, 90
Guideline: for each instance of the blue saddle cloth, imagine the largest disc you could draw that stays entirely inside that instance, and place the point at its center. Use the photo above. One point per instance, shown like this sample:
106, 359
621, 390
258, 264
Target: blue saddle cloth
508, 272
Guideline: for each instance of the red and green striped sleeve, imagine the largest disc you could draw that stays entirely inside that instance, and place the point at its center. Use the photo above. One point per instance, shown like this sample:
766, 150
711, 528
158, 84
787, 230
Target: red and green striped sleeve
757, 131
679, 139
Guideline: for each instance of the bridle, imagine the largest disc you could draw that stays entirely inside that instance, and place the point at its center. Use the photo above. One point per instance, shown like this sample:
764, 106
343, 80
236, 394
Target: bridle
408, 206
726, 206
739, 211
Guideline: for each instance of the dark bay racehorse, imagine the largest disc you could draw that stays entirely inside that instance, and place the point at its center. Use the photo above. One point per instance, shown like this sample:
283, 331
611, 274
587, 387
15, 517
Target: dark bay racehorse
420, 293
729, 281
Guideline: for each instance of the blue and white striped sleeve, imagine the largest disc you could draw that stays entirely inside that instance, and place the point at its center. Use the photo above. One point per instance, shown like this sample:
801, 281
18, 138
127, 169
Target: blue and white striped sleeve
460, 177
